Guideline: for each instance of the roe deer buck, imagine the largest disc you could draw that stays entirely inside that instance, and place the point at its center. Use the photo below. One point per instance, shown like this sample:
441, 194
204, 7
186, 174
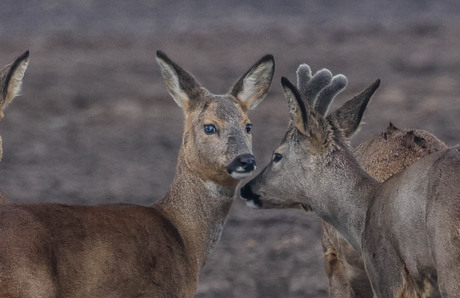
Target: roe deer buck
381, 156
11, 77
406, 228
54, 250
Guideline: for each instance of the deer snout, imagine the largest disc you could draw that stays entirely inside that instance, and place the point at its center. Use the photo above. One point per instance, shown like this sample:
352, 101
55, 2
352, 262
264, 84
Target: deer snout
241, 166
252, 199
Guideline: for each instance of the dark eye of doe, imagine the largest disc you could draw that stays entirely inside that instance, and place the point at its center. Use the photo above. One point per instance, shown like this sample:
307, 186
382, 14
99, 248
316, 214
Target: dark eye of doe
277, 157
209, 129
248, 128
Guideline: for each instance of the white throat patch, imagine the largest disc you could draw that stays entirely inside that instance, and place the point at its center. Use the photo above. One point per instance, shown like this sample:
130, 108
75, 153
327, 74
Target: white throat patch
219, 191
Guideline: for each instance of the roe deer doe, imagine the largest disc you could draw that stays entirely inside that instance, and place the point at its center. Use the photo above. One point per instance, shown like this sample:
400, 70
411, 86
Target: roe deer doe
407, 229
381, 156
11, 77
55, 250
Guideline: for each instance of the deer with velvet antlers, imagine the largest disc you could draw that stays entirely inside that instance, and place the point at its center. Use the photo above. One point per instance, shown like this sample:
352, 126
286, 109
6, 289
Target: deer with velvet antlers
406, 229
381, 156
55, 250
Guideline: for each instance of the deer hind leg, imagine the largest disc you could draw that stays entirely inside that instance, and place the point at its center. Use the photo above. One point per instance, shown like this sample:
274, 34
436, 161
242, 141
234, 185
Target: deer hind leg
382, 265
443, 222
449, 276
339, 285
445, 247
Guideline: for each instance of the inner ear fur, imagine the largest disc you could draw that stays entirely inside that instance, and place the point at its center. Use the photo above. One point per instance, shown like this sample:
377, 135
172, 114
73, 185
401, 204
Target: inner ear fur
11, 80
182, 86
250, 89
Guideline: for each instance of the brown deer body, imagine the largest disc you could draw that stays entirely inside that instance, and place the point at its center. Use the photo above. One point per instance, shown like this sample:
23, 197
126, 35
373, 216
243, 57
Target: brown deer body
381, 156
406, 228
53, 250
10, 85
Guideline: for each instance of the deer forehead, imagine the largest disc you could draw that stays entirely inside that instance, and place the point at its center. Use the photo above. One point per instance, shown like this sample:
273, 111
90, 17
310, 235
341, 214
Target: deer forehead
314, 145
221, 110
290, 140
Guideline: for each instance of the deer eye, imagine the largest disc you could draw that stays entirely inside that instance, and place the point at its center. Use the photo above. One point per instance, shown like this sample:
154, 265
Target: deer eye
277, 157
248, 128
209, 129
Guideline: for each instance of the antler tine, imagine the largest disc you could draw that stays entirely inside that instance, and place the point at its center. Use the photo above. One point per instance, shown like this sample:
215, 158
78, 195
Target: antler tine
327, 95
310, 86
303, 76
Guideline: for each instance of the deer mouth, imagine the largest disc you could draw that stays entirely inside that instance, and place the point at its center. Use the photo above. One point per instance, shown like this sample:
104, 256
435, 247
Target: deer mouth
240, 174
252, 199
242, 166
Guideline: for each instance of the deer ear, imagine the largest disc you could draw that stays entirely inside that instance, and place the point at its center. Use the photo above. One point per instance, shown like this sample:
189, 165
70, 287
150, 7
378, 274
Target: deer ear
350, 114
182, 86
297, 109
252, 87
11, 80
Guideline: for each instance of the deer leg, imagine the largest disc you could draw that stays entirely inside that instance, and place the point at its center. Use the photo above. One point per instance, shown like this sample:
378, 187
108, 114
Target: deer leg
339, 285
380, 262
445, 247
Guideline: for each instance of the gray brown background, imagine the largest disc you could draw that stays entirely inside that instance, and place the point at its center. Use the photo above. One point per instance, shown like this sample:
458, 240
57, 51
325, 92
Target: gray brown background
95, 123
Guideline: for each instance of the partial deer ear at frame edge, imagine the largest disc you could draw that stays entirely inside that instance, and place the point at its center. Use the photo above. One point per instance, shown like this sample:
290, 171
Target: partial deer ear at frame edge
182, 86
349, 115
11, 79
251, 88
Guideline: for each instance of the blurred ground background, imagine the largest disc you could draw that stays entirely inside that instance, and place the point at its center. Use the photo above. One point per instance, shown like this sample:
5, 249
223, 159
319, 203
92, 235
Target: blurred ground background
95, 123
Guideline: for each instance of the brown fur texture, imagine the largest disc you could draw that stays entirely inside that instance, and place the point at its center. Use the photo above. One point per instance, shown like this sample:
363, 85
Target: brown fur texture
381, 156
54, 250
73, 251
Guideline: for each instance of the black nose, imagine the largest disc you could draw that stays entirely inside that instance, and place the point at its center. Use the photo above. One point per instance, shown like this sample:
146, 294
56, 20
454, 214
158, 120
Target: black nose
246, 193
248, 162
242, 164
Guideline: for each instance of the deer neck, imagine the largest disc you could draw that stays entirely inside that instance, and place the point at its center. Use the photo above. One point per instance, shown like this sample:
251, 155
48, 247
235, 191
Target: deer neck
198, 209
345, 197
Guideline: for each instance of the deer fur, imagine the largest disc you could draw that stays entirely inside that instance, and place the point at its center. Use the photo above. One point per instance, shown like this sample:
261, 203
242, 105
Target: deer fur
406, 229
381, 156
119, 250
11, 77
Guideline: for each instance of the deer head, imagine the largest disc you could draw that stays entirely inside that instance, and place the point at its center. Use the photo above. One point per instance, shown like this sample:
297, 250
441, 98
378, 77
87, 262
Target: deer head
308, 161
217, 142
